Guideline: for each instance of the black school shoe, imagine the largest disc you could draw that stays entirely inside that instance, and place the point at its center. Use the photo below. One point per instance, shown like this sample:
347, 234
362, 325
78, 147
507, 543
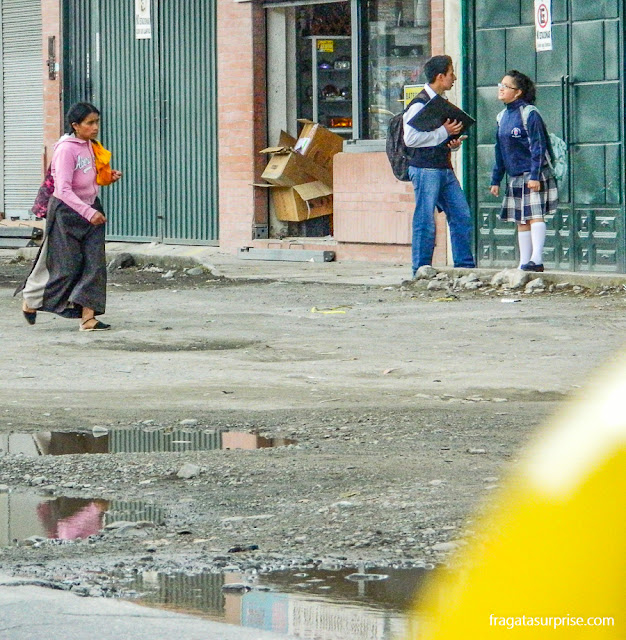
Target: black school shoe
531, 266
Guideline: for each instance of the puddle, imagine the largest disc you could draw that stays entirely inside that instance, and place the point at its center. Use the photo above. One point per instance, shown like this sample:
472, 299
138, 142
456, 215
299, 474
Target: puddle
320, 604
24, 515
148, 440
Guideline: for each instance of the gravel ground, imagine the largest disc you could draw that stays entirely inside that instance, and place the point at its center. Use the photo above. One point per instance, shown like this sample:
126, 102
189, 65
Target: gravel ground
408, 407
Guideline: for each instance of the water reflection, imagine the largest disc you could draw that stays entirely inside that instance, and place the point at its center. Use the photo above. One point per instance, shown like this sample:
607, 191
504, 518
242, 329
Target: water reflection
25, 515
71, 518
56, 443
321, 605
240, 440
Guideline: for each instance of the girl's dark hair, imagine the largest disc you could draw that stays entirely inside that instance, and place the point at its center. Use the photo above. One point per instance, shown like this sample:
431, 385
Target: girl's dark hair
525, 85
77, 113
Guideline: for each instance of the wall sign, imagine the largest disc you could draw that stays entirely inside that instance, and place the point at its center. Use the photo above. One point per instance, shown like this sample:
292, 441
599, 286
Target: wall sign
411, 91
143, 22
543, 25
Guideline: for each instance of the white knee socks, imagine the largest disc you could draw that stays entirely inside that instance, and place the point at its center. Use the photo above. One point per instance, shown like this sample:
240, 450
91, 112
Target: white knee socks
525, 247
538, 235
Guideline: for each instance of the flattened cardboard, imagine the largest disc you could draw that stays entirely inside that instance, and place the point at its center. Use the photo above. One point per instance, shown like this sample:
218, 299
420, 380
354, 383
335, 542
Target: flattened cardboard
313, 190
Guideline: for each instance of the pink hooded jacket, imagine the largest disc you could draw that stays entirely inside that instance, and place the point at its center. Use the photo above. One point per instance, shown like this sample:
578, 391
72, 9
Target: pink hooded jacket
74, 172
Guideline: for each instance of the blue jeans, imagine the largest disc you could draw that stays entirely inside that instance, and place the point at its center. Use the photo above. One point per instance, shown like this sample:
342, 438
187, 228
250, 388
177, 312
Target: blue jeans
440, 188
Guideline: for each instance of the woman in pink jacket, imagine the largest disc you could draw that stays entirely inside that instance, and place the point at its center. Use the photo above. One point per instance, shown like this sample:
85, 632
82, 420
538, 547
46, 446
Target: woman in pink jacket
69, 276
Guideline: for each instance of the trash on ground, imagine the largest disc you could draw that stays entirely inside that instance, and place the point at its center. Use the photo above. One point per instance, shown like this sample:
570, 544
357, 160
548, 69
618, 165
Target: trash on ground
329, 310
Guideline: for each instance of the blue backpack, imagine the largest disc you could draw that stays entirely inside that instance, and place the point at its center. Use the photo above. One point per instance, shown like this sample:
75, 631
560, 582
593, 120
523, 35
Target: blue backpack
556, 154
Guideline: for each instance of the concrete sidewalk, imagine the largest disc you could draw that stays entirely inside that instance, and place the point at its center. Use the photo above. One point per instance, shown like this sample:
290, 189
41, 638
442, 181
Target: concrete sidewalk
29, 612
229, 265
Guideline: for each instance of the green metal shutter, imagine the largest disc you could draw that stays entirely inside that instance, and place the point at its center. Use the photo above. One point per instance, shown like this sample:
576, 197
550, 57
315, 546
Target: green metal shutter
126, 91
22, 106
159, 118
77, 65
189, 120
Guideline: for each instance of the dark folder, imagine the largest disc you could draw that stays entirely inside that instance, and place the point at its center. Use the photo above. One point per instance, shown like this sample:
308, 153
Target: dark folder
436, 111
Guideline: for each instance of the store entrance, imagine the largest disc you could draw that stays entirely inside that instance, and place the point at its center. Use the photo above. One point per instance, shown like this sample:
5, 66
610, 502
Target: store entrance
310, 79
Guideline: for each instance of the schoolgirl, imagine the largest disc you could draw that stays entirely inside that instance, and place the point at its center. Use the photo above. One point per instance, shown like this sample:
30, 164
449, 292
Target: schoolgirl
521, 151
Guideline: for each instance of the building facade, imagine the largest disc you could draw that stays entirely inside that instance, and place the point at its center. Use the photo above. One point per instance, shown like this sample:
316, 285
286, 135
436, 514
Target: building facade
191, 92
385, 43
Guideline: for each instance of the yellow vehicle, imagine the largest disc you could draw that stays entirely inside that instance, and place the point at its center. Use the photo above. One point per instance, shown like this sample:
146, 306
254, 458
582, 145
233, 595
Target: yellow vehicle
549, 560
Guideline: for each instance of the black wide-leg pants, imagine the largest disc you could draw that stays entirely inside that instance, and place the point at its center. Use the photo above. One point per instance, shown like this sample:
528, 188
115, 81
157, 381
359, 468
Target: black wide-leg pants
69, 272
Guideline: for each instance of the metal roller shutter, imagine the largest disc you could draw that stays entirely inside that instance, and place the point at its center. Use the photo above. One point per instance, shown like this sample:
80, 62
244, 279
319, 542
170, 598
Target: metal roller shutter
152, 92
22, 106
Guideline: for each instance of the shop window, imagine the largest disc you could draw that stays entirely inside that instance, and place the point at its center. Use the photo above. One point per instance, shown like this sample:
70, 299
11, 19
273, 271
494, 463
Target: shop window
325, 65
395, 45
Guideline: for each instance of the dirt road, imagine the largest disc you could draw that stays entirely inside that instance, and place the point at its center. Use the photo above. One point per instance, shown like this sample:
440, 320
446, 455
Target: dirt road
406, 408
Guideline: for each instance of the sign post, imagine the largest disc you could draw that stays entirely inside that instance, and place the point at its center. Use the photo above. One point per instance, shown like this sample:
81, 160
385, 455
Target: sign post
543, 25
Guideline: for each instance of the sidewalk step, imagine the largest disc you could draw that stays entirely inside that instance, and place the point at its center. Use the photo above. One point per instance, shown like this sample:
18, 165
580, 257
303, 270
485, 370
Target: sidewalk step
16, 237
287, 255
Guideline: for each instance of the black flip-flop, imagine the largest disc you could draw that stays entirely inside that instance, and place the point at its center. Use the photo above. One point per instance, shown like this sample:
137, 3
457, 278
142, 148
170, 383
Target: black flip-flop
99, 326
30, 316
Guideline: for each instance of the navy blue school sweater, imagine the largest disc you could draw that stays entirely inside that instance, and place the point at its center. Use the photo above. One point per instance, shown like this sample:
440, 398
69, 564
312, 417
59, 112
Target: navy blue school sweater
519, 151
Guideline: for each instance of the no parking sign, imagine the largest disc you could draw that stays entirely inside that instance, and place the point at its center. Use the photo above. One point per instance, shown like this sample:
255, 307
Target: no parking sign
543, 25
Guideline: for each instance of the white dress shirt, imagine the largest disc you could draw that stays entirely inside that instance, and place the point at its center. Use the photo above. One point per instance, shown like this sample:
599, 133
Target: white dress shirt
415, 138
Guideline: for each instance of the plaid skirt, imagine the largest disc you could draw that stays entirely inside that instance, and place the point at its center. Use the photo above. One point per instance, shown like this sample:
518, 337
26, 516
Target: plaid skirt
520, 204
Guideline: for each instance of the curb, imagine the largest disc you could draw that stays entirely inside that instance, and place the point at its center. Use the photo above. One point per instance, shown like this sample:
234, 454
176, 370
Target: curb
143, 259
189, 257
586, 280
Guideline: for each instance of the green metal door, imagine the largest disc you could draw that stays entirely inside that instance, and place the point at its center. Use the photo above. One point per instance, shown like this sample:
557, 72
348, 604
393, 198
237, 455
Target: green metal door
188, 74
158, 101
579, 89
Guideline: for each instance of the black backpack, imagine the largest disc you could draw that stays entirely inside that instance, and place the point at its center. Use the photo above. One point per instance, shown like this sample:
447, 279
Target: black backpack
397, 152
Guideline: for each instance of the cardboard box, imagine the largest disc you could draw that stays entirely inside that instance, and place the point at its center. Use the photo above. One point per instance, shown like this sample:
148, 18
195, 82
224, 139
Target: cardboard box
285, 140
318, 143
301, 202
299, 173
287, 168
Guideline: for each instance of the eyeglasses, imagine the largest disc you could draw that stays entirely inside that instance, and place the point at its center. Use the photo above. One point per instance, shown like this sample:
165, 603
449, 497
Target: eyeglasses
506, 86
